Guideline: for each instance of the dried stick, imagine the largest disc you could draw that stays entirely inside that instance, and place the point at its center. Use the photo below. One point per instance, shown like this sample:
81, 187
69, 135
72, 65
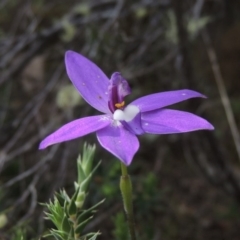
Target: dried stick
222, 90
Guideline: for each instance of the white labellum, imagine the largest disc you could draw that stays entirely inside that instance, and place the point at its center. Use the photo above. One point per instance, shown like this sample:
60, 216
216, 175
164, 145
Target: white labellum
128, 114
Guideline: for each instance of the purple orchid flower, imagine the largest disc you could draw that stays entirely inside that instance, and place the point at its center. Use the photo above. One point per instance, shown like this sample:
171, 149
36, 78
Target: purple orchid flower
117, 128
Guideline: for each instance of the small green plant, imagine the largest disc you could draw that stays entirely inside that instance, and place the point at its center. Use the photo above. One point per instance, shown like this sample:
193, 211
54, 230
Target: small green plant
68, 213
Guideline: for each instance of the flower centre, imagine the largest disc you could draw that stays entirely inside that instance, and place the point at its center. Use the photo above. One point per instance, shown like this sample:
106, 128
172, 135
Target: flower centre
128, 114
120, 105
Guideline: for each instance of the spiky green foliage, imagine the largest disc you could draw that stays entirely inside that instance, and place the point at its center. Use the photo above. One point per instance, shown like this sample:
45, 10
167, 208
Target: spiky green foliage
67, 213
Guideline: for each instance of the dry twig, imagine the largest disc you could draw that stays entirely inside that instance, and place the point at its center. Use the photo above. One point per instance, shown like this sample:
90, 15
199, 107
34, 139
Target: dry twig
222, 90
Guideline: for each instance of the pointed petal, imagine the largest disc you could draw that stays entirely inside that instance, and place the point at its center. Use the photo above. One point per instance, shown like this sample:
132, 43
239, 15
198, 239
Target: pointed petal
120, 142
156, 128
167, 121
89, 80
135, 125
160, 100
75, 129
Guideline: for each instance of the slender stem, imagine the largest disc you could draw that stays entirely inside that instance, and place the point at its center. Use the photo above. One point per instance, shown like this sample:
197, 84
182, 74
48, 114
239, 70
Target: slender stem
124, 170
74, 221
126, 189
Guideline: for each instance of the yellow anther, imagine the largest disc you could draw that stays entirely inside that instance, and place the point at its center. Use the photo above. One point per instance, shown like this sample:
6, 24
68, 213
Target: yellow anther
120, 105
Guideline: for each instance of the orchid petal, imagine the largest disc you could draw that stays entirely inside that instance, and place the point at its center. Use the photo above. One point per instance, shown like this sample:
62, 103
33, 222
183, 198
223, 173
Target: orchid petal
135, 125
75, 129
156, 128
166, 121
123, 88
89, 80
120, 142
118, 89
159, 100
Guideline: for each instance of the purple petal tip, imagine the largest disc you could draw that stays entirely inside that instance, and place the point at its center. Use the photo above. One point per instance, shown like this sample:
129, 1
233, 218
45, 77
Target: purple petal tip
69, 52
211, 127
42, 146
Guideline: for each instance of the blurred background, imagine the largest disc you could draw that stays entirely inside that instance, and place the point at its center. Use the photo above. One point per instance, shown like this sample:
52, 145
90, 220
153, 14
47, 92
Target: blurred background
186, 186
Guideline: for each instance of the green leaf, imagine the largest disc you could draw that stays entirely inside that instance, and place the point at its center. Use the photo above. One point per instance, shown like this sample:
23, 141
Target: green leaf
66, 227
88, 155
82, 225
56, 212
93, 236
72, 208
81, 173
85, 161
62, 196
59, 235
86, 213
80, 199
85, 183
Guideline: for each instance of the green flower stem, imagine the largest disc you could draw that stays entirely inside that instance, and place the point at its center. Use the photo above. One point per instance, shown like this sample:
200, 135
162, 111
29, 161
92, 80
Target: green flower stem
74, 221
126, 189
